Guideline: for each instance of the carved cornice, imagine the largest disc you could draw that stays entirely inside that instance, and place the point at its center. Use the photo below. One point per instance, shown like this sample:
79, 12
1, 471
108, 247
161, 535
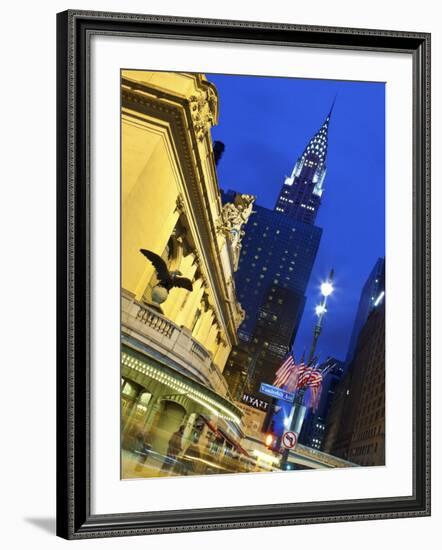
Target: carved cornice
203, 106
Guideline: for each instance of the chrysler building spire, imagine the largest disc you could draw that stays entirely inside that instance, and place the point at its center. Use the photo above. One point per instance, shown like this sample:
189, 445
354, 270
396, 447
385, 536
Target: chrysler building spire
300, 196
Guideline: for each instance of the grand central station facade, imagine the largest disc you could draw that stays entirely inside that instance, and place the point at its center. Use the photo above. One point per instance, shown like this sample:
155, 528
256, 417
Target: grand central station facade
175, 344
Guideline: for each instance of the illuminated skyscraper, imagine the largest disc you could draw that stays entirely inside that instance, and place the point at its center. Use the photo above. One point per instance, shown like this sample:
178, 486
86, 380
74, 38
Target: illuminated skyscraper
300, 196
276, 260
278, 252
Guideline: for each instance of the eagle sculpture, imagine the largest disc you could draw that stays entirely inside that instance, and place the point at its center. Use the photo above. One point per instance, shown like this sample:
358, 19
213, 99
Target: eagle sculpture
167, 279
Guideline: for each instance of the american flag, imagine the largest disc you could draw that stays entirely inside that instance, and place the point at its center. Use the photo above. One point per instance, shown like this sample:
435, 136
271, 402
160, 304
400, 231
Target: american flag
314, 383
293, 380
305, 375
294, 376
315, 379
284, 372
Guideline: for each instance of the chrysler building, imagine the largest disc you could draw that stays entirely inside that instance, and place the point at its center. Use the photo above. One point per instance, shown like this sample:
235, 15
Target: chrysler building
300, 196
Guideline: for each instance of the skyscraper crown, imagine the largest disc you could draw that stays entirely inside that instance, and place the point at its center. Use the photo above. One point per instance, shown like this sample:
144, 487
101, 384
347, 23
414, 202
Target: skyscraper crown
300, 196
317, 146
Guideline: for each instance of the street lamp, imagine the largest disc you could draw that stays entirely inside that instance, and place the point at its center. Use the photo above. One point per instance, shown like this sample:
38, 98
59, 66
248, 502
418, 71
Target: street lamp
327, 287
298, 409
320, 310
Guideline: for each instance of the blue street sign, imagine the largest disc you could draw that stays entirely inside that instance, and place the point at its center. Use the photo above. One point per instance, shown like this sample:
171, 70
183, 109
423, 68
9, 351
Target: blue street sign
273, 391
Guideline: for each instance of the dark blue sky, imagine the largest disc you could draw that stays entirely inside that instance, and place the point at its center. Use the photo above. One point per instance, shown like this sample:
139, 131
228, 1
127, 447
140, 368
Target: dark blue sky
265, 124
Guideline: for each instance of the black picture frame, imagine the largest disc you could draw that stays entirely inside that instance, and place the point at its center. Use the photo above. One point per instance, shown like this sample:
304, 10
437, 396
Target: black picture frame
74, 518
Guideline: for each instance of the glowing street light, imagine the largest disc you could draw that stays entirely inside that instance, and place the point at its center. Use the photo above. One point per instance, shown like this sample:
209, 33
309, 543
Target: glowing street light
320, 309
327, 288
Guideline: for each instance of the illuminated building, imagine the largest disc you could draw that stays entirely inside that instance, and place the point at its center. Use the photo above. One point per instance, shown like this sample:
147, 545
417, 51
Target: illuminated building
278, 252
175, 344
300, 196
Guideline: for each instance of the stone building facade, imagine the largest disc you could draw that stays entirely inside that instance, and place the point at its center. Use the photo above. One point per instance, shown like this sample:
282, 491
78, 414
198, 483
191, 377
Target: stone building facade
174, 350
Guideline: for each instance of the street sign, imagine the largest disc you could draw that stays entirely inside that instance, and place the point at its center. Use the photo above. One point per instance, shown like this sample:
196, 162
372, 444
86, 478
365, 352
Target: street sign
289, 440
278, 393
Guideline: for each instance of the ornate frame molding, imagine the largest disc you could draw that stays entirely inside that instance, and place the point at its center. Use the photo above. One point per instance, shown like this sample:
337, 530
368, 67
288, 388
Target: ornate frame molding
74, 30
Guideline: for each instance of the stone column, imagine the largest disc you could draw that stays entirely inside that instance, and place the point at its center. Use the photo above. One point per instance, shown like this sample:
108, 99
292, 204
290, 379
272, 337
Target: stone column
222, 354
179, 296
212, 336
187, 314
207, 319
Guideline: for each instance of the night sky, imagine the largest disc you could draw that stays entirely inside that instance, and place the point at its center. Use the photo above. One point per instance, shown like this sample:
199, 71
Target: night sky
265, 124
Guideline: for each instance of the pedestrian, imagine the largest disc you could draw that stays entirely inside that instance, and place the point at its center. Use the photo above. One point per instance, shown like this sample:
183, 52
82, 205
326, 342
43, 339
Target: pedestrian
142, 448
193, 463
173, 448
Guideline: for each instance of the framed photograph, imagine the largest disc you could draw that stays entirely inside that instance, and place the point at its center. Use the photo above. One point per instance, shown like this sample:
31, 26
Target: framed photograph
243, 274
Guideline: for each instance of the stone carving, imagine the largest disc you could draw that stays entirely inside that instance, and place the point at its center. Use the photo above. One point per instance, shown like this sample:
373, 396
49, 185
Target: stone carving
159, 295
241, 315
180, 205
203, 111
234, 216
166, 279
